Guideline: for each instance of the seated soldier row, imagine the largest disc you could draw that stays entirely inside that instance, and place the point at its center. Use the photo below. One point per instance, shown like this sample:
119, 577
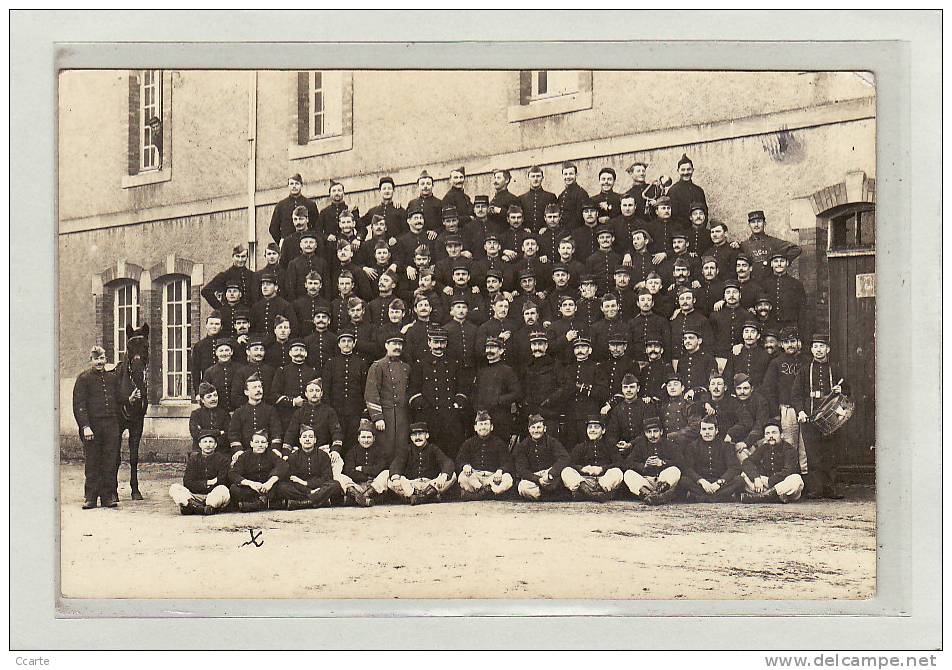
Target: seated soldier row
652, 468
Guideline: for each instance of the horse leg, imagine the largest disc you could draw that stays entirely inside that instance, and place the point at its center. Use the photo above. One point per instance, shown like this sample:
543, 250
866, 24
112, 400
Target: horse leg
135, 436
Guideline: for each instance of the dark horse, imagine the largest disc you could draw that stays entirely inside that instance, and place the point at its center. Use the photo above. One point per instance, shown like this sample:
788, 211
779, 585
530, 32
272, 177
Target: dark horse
133, 374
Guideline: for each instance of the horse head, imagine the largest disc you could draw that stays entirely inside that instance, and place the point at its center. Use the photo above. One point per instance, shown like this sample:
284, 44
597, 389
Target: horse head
137, 344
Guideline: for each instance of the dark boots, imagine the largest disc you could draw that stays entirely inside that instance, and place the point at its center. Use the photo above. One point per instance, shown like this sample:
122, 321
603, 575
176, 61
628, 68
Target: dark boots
769, 496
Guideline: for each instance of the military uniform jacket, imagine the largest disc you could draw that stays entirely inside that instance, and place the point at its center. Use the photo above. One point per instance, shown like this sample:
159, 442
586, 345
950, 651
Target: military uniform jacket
779, 380
585, 242
693, 320
534, 264
683, 194
664, 304
395, 217
641, 449
642, 209
462, 202
626, 421
531, 456
496, 387
95, 396
603, 330
582, 390
200, 469
664, 232
484, 453
570, 202
653, 378
549, 240
246, 279
728, 327
559, 345
432, 211
776, 462
733, 418
282, 223
305, 306
645, 326
362, 286
761, 247
726, 257
588, 311
415, 340
492, 328
434, 383
344, 378
511, 238
709, 293
699, 239
710, 460
612, 206
203, 357
327, 220
674, 414
264, 312
666, 268
314, 467
475, 233
759, 411
224, 377
444, 269
262, 369
695, 368
247, 419
750, 290
641, 265
603, 264
612, 370
752, 361
428, 462
207, 418
788, 298
502, 199
258, 467
362, 465
407, 244
298, 270
622, 228
814, 382
461, 342
387, 386
289, 382
542, 376
533, 203
277, 353
599, 453
279, 271
319, 416
290, 250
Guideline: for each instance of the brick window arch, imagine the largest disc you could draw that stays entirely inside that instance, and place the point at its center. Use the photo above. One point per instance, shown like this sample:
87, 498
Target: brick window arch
117, 294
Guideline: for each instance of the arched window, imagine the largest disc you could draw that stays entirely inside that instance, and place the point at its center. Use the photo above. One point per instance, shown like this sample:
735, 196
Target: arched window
125, 311
852, 228
176, 337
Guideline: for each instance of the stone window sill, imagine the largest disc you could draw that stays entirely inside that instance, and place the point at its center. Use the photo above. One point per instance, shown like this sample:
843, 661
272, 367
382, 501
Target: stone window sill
148, 177
321, 146
563, 104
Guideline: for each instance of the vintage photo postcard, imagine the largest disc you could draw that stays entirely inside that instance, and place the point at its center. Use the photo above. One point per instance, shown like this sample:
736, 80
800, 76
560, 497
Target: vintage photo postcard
467, 334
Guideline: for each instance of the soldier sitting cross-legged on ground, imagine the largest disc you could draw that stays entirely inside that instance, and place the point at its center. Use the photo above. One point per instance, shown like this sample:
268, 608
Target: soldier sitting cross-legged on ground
421, 472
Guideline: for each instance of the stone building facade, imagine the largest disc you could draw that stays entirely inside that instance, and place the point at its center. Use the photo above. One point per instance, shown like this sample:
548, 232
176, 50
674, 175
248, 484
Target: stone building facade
148, 213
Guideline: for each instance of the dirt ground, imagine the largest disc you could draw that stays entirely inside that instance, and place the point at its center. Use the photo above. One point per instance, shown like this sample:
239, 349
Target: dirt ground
622, 549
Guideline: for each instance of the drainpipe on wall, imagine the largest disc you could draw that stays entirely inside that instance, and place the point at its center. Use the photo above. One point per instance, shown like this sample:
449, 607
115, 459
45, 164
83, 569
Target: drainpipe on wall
252, 161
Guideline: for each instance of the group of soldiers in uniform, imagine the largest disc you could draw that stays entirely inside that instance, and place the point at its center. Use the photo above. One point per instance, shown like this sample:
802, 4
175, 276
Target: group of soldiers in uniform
539, 345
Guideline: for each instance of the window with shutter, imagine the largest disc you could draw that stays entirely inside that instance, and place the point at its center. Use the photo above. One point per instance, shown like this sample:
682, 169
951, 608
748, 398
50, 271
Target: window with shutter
324, 123
544, 93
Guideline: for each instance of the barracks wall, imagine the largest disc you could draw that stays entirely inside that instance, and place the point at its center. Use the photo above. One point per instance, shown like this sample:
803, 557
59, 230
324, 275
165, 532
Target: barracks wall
758, 141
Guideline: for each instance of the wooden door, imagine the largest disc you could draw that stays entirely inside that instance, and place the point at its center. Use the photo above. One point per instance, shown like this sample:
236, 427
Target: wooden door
853, 338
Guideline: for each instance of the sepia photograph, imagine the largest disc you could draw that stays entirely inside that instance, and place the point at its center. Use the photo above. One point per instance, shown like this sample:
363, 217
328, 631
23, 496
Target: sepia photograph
466, 334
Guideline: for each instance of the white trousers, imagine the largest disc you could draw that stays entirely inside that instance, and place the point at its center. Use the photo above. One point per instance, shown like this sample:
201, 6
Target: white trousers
337, 468
477, 479
635, 482
789, 489
218, 497
378, 483
405, 488
529, 489
790, 431
608, 480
